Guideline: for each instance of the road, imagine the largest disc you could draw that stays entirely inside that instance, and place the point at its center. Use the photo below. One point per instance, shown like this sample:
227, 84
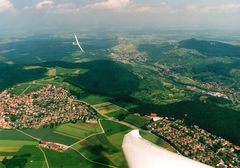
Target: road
45, 157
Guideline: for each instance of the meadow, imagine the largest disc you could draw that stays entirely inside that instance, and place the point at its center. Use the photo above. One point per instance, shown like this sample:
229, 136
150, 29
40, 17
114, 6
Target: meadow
138, 121
105, 148
106, 108
77, 131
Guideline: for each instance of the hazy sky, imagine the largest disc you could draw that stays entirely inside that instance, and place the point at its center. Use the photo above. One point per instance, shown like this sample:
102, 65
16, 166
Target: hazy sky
43, 14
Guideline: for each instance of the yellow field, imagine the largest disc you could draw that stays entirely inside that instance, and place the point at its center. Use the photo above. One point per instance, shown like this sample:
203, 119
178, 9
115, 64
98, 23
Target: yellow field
8, 157
9, 149
187, 80
52, 72
107, 107
77, 71
31, 67
16, 143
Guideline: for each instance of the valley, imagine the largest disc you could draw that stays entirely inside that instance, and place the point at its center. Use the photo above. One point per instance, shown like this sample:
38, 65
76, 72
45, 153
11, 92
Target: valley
59, 103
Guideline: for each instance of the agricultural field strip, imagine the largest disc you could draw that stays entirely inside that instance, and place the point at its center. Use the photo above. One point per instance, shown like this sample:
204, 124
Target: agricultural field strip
102, 104
73, 148
92, 160
26, 89
45, 157
103, 132
8, 149
123, 123
85, 139
38, 146
28, 135
111, 119
61, 133
99, 121
92, 106
106, 107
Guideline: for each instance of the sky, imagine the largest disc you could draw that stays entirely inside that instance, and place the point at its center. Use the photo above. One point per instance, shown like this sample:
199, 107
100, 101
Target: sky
70, 14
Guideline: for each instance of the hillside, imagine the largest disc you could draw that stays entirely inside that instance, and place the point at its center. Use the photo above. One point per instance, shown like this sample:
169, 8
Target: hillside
211, 48
107, 78
12, 74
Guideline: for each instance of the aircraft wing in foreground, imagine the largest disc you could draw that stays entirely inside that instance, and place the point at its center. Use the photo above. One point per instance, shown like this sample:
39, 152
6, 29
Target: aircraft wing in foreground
141, 153
77, 43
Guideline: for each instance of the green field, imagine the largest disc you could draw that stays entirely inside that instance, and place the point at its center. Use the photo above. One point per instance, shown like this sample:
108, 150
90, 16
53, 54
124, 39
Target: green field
111, 127
17, 143
20, 150
101, 148
23, 150
68, 159
95, 99
98, 148
13, 135
19, 89
115, 132
105, 148
69, 71
66, 133
156, 140
138, 121
34, 157
117, 113
49, 135
125, 105
78, 131
106, 107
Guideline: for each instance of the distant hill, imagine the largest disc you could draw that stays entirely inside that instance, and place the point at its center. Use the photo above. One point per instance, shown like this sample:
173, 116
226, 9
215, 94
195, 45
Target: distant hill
211, 48
13, 74
218, 68
37, 50
106, 77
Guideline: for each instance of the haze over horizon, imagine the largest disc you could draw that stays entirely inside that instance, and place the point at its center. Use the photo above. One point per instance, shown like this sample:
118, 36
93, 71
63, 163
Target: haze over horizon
73, 14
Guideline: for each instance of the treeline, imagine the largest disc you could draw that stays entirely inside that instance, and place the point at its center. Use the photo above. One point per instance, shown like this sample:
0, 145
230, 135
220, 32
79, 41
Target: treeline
18, 161
211, 48
217, 68
14, 74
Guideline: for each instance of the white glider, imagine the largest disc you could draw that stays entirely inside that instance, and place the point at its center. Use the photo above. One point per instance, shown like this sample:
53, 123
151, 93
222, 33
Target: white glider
141, 153
77, 43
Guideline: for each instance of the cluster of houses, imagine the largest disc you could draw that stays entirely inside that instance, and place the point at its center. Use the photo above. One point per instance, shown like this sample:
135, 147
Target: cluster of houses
211, 93
218, 90
125, 52
53, 146
46, 107
128, 57
196, 143
4, 123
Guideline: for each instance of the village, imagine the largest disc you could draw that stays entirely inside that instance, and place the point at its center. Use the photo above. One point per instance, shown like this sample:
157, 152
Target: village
52, 106
232, 94
53, 146
46, 107
196, 143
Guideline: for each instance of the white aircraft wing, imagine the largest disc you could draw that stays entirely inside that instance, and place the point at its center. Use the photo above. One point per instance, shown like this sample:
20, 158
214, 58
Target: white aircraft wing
77, 43
141, 153
76, 38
